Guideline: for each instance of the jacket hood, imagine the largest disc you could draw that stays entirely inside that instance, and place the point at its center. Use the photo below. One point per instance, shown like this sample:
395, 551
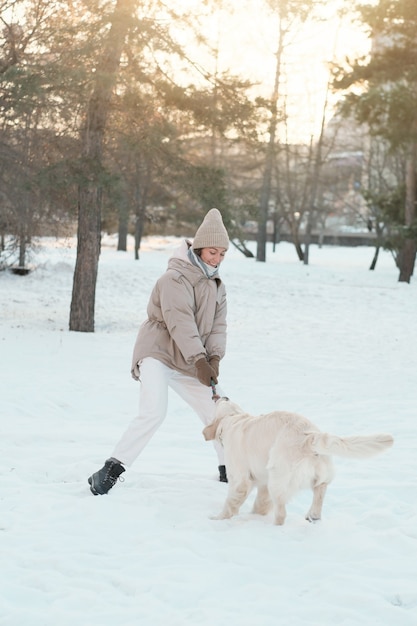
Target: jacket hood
180, 262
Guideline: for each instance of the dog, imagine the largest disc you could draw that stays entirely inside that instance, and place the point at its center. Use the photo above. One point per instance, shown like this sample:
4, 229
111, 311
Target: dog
280, 453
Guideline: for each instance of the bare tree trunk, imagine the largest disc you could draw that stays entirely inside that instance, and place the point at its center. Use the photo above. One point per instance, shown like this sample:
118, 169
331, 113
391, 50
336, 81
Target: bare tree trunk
242, 248
307, 237
317, 165
140, 212
379, 231
90, 191
296, 241
321, 233
408, 261
408, 256
138, 234
123, 227
22, 247
270, 152
122, 237
276, 233
375, 258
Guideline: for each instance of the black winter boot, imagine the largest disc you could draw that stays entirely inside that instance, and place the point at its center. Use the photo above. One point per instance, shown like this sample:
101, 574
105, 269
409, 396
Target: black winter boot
102, 481
222, 474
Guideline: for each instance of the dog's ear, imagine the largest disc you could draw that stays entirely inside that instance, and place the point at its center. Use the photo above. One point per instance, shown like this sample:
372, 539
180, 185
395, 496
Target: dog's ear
210, 431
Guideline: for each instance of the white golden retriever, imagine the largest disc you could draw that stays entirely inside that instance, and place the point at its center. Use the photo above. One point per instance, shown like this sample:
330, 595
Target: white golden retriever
280, 453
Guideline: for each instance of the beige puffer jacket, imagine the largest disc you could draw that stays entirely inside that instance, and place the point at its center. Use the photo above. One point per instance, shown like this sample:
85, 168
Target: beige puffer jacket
186, 317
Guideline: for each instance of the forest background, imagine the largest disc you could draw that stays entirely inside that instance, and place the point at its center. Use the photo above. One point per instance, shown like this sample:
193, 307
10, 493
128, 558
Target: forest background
137, 117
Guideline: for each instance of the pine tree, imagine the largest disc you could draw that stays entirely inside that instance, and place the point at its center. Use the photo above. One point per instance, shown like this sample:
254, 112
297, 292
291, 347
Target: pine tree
382, 92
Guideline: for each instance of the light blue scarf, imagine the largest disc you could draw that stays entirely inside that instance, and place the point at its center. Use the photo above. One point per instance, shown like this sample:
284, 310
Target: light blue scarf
209, 271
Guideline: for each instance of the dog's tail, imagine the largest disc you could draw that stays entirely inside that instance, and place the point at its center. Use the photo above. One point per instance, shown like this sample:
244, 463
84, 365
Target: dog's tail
359, 447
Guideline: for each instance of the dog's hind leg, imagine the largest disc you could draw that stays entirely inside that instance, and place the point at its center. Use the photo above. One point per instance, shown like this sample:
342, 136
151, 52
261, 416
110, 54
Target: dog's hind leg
319, 491
279, 497
262, 504
280, 488
237, 494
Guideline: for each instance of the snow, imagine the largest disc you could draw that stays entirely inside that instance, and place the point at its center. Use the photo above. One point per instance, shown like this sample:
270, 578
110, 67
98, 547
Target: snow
332, 340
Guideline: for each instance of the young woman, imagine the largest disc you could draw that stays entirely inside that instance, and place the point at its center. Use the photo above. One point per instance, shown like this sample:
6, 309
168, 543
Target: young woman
179, 345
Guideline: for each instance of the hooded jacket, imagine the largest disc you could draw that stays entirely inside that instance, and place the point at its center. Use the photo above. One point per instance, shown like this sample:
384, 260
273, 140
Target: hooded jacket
186, 317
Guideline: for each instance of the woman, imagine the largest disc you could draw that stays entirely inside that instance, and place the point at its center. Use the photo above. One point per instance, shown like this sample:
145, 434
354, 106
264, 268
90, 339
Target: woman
180, 345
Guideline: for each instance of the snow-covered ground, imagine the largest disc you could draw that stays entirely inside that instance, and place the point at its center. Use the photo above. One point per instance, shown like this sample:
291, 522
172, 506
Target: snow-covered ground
332, 341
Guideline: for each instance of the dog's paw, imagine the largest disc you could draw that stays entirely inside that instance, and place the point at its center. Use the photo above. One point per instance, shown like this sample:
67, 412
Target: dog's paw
313, 520
261, 510
220, 516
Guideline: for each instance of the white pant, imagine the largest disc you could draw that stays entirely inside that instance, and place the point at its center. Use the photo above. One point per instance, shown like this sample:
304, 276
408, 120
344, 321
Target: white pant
153, 404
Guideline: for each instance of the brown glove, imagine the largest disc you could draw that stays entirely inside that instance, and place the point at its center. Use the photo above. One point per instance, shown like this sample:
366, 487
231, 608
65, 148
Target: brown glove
205, 372
215, 363
135, 372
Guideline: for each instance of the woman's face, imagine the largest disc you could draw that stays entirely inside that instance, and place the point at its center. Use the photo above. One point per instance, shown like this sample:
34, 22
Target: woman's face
212, 256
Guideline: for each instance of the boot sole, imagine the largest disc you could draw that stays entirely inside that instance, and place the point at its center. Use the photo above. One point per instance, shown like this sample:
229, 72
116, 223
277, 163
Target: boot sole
92, 488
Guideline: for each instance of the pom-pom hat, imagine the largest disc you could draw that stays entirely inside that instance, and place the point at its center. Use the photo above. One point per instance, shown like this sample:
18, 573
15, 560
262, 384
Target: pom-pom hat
212, 232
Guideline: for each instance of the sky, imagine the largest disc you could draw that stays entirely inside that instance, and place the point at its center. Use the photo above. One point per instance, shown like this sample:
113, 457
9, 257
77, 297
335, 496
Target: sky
246, 36
332, 341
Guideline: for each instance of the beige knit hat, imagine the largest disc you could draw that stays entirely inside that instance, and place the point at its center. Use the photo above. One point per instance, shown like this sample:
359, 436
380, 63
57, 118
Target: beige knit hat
212, 232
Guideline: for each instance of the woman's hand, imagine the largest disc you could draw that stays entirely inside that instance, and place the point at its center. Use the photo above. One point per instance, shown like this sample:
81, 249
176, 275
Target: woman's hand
205, 372
214, 361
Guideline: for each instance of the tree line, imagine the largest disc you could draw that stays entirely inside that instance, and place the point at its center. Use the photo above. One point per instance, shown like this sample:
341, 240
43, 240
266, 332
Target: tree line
107, 119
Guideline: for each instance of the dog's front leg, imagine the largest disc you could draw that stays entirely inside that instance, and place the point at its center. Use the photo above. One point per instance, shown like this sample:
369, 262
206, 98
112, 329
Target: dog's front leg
237, 494
314, 514
280, 511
